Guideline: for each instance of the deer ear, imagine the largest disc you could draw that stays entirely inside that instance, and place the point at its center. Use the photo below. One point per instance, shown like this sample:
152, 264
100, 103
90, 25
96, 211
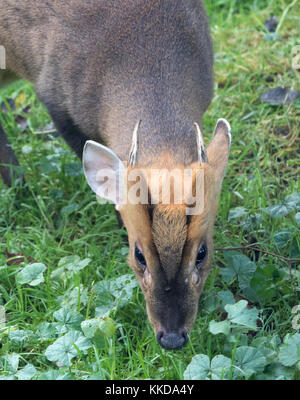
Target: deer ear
218, 149
104, 171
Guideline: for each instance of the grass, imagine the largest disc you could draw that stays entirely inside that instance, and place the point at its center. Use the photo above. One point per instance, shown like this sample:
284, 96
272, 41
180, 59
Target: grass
56, 215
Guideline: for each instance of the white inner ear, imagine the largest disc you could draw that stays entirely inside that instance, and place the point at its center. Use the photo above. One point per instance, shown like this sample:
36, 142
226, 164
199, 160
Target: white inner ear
228, 128
104, 172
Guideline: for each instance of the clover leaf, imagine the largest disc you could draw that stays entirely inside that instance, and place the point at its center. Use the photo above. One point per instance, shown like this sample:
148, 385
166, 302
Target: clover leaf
289, 353
31, 274
248, 361
240, 315
64, 349
201, 368
240, 266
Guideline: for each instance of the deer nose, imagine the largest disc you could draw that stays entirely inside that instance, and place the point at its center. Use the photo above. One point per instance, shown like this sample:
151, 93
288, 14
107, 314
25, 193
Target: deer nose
172, 340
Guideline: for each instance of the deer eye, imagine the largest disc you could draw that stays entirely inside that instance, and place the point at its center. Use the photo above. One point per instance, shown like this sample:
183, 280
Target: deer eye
140, 258
202, 251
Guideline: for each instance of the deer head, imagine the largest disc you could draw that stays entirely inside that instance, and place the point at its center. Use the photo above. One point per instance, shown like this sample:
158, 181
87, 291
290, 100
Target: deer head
170, 232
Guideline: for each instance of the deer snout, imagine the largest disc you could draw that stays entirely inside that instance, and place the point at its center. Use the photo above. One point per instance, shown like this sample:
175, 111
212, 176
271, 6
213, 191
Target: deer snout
172, 340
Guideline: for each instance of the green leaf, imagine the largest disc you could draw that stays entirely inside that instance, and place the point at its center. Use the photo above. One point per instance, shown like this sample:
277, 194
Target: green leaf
73, 263
21, 337
114, 293
252, 221
10, 377
220, 367
124, 251
47, 330
9, 363
201, 368
219, 327
210, 301
237, 212
283, 237
90, 327
32, 274
226, 297
67, 267
62, 351
297, 216
240, 266
73, 169
277, 210
263, 285
56, 194
95, 377
290, 203
267, 346
289, 353
240, 315
27, 149
26, 373
276, 371
71, 297
60, 274
50, 164
54, 375
198, 369
268, 37
67, 319
122, 287
107, 326
98, 328
248, 361
69, 209
293, 201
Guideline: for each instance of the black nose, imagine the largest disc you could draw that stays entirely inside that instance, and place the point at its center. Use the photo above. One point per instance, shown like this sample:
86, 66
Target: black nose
172, 340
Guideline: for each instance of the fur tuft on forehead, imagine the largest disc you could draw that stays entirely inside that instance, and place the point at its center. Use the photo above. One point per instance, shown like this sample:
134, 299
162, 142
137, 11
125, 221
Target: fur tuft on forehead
169, 232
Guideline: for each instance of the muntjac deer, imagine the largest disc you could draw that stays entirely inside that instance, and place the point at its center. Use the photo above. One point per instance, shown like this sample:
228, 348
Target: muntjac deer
126, 84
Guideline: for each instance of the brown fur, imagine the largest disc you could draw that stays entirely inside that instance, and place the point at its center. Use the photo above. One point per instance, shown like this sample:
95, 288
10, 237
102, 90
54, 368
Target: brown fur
169, 232
100, 66
170, 241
